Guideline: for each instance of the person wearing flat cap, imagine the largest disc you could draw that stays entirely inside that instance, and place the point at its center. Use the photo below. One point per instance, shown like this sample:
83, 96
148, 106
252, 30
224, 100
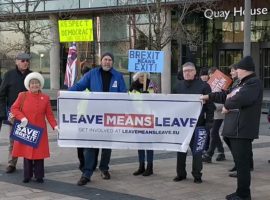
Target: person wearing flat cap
242, 109
33, 107
11, 86
100, 79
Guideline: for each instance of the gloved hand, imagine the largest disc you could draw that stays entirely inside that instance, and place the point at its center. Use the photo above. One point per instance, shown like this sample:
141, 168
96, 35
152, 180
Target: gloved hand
10, 115
24, 122
56, 129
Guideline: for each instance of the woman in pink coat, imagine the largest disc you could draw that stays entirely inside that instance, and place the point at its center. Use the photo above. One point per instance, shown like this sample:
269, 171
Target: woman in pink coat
32, 107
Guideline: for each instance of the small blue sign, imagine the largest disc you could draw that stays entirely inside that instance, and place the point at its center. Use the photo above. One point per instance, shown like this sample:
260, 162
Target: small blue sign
29, 135
145, 61
200, 138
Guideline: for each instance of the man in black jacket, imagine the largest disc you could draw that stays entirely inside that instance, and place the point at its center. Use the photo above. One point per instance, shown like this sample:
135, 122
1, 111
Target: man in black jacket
11, 86
191, 85
242, 108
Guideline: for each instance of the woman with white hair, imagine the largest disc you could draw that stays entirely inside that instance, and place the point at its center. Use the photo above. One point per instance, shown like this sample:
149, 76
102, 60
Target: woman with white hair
33, 107
138, 87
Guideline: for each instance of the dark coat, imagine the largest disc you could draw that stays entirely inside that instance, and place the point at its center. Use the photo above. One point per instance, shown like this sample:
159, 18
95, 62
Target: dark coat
136, 85
245, 109
12, 85
197, 86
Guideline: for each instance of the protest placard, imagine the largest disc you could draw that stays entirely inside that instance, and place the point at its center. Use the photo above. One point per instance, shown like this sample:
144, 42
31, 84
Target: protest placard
29, 135
145, 61
219, 81
201, 134
75, 30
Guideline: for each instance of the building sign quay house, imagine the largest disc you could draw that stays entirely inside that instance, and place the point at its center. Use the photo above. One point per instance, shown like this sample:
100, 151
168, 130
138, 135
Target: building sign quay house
211, 14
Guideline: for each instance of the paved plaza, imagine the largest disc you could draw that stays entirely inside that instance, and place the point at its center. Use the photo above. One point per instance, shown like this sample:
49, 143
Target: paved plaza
62, 175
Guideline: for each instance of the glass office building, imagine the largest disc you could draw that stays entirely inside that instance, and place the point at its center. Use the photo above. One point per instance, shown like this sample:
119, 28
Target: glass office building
217, 32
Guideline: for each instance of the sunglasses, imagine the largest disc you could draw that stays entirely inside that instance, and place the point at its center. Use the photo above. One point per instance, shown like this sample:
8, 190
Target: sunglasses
24, 61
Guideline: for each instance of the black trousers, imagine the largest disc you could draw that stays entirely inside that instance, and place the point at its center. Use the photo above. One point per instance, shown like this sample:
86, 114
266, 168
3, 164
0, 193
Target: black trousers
241, 151
196, 162
228, 142
215, 141
33, 167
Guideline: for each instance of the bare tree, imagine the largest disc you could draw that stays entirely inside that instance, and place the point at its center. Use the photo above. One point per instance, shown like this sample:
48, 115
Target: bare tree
150, 22
155, 35
19, 18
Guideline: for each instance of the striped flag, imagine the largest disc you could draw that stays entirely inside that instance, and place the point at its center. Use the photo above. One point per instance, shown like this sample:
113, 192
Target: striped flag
71, 67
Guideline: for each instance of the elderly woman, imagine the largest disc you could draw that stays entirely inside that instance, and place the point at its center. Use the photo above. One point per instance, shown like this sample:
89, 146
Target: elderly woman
32, 107
138, 87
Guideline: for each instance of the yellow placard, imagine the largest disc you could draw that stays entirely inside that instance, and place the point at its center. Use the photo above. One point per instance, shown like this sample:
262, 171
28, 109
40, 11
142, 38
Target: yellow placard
75, 30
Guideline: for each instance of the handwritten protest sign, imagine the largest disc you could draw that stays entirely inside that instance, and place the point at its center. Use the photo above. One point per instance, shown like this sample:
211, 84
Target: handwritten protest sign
29, 135
145, 61
219, 81
75, 30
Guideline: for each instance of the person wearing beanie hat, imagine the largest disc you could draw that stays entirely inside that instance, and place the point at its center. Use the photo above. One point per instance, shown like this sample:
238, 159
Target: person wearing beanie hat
108, 54
245, 67
107, 60
11, 86
242, 109
32, 107
100, 79
246, 63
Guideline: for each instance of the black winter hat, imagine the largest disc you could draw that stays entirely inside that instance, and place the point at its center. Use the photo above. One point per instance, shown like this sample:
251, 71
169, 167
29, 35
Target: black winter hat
204, 71
246, 64
108, 54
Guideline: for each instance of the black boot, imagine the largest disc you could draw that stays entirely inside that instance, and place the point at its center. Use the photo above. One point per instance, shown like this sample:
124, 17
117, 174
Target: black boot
140, 170
149, 170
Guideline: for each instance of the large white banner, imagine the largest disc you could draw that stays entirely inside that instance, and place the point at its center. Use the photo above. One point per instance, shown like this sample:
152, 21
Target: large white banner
127, 121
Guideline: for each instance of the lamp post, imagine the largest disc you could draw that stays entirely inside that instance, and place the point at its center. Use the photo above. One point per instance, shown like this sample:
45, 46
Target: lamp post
40, 60
247, 29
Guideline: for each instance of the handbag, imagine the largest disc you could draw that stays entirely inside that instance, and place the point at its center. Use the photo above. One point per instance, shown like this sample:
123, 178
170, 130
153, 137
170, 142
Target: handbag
11, 118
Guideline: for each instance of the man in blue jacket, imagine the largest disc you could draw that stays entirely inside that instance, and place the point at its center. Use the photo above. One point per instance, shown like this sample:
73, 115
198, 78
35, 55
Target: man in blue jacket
101, 79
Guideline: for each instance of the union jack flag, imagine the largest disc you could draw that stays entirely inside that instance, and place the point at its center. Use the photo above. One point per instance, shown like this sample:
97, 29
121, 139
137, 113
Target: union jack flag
71, 67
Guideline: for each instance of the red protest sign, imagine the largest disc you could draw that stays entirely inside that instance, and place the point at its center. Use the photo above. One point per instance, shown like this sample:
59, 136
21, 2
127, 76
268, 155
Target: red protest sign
219, 81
